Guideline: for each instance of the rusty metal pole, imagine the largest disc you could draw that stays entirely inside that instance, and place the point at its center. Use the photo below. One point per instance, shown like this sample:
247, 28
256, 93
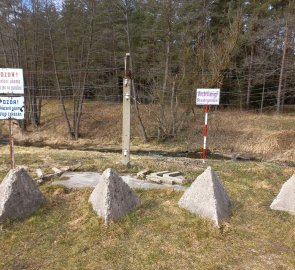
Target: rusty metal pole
11, 144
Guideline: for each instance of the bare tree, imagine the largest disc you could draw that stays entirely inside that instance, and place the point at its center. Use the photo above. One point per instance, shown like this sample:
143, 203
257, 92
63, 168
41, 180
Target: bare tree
284, 46
82, 54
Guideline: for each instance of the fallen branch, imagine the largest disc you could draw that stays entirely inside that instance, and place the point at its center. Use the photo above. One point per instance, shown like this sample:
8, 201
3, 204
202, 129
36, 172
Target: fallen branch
57, 172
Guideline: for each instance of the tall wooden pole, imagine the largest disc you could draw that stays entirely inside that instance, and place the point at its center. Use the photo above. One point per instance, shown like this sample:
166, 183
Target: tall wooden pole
11, 144
126, 112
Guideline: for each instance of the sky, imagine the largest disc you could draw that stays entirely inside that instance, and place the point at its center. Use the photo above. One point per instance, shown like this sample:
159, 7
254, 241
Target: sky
28, 3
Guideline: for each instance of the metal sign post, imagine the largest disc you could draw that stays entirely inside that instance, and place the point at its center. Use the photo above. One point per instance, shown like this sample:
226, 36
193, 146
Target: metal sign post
205, 133
207, 97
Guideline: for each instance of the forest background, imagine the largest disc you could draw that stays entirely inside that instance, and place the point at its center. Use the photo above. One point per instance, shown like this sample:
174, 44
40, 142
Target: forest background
73, 51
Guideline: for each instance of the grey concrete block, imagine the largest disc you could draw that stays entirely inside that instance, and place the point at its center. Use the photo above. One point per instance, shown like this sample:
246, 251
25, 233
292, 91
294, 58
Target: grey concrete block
167, 177
39, 173
175, 177
19, 195
172, 174
156, 177
57, 171
159, 173
206, 197
112, 198
142, 174
285, 200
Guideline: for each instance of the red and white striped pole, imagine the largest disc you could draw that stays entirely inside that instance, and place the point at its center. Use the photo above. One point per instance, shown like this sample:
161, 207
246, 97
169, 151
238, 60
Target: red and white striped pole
205, 133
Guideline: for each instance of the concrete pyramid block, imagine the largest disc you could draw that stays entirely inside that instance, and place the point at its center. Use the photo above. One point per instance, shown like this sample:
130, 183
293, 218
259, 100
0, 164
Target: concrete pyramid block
206, 197
19, 195
112, 198
285, 201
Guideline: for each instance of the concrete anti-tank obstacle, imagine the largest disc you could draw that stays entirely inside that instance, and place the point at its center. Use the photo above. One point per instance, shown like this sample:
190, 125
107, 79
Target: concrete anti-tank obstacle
19, 195
112, 198
206, 197
285, 200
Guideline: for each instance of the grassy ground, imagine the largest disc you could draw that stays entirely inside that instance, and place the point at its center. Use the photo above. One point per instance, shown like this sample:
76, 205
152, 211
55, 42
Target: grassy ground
66, 234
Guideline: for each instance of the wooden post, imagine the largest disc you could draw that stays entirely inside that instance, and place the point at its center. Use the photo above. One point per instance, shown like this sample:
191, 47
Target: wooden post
126, 112
11, 144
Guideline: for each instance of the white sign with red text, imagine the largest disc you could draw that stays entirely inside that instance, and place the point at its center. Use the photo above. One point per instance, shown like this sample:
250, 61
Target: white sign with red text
12, 108
208, 96
11, 81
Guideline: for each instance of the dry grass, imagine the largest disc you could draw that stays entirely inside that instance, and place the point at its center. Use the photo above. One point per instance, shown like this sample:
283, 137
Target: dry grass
267, 136
66, 234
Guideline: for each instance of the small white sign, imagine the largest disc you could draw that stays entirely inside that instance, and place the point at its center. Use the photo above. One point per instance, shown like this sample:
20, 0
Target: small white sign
11, 81
12, 108
208, 96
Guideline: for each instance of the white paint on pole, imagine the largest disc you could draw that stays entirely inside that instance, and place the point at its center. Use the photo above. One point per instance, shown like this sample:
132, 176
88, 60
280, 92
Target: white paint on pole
11, 81
126, 113
208, 96
12, 108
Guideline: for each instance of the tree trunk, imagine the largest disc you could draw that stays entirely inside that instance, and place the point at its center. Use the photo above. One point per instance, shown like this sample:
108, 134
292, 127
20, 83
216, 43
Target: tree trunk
278, 106
283, 94
70, 130
173, 108
262, 95
164, 89
250, 78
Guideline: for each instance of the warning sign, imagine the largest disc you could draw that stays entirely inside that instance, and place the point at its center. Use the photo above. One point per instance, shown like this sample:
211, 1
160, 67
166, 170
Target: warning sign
11, 81
12, 108
208, 96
